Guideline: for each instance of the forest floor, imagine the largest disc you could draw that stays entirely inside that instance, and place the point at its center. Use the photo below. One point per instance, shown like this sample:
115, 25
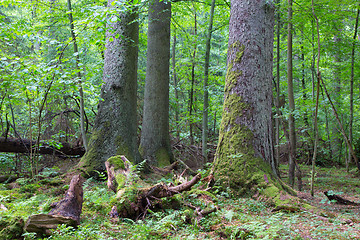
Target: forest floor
241, 218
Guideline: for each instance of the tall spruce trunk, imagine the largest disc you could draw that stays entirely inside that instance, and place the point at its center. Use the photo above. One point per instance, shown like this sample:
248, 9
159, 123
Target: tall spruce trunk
155, 140
115, 130
244, 156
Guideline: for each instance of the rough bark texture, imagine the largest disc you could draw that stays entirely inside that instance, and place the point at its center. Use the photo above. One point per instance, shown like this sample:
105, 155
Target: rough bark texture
155, 141
115, 130
17, 145
244, 157
67, 211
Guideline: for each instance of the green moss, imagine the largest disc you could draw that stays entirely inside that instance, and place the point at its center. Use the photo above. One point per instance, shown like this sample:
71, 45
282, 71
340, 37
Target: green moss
11, 228
120, 180
117, 162
162, 156
196, 191
91, 161
51, 181
30, 188
231, 74
123, 149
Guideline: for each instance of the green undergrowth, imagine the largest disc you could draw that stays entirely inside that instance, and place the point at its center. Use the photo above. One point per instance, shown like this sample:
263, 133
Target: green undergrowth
236, 218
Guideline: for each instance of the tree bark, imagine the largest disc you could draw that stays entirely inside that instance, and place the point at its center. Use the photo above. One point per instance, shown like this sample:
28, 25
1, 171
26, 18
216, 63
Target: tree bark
17, 145
244, 156
67, 211
277, 103
317, 104
206, 79
292, 134
115, 130
155, 140
352, 84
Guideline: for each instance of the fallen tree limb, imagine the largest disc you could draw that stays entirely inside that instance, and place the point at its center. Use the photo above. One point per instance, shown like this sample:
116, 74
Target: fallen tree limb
340, 200
67, 211
17, 145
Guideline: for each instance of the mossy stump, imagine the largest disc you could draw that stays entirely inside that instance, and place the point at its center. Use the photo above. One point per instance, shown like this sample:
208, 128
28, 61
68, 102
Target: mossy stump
133, 196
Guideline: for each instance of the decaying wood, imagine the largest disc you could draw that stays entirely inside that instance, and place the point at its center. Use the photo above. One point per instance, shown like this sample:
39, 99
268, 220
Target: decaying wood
7, 178
67, 211
134, 199
148, 198
161, 190
201, 212
111, 181
340, 200
113, 171
165, 170
17, 145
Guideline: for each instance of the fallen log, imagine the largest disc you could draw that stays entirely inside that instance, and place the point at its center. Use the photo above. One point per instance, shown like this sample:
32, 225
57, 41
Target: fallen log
7, 178
67, 211
133, 198
340, 200
17, 145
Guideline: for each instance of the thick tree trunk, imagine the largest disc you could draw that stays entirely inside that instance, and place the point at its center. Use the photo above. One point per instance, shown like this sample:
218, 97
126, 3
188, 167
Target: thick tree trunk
17, 145
115, 130
67, 211
155, 140
244, 156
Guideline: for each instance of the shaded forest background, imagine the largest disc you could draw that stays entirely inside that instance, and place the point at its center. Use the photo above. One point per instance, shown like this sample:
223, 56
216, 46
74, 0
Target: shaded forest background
42, 76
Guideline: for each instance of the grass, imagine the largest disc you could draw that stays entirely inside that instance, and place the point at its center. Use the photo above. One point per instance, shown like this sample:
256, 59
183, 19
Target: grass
241, 218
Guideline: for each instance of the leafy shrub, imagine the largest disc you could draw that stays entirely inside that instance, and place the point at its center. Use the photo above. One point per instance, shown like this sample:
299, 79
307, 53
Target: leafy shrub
7, 162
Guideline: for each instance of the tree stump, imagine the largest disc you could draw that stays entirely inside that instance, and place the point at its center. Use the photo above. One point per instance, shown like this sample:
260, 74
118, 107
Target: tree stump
67, 211
134, 198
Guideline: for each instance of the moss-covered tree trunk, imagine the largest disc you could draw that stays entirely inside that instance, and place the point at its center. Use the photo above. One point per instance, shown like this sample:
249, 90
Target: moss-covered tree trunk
244, 157
115, 130
155, 141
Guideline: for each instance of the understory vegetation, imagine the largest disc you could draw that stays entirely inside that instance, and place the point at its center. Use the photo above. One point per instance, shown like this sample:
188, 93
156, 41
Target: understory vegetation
236, 218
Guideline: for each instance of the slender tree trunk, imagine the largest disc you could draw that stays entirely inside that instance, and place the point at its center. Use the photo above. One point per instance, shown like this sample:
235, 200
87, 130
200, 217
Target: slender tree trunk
278, 113
191, 102
206, 78
115, 130
155, 140
81, 92
317, 103
352, 85
292, 134
336, 146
